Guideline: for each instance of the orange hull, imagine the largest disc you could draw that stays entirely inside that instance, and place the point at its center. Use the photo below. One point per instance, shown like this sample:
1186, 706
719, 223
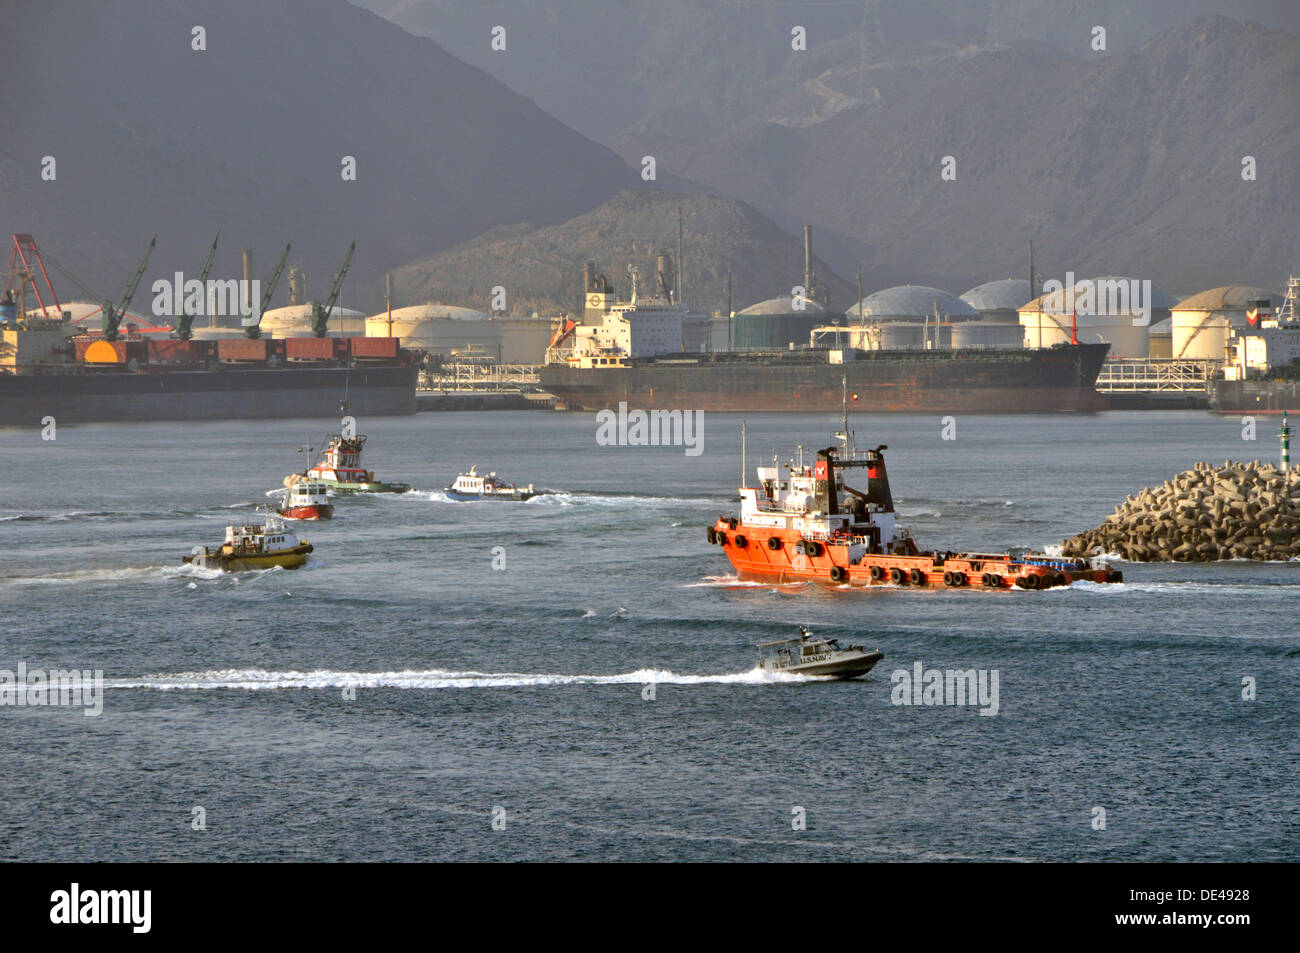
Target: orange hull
775, 556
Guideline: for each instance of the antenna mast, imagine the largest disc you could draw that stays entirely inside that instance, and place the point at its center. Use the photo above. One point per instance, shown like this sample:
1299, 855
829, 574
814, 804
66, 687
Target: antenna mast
744, 468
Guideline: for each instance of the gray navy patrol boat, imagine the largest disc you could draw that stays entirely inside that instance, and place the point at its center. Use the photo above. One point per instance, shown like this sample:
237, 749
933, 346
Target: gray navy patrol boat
812, 655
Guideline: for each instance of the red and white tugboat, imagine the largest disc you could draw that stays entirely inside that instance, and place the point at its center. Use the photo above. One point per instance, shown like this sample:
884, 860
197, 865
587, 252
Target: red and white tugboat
814, 528
306, 501
339, 469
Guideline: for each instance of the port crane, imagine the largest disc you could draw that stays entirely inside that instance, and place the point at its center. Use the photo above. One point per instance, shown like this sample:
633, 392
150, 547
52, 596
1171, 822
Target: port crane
254, 330
185, 325
113, 315
320, 313
24, 259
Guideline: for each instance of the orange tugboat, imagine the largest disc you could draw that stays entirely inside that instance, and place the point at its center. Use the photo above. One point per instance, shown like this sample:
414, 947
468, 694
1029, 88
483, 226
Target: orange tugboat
814, 528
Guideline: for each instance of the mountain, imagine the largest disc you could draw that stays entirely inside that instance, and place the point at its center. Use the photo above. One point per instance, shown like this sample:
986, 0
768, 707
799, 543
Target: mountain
1123, 164
250, 134
689, 69
541, 267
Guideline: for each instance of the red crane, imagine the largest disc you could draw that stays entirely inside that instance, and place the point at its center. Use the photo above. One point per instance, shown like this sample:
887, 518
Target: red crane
21, 273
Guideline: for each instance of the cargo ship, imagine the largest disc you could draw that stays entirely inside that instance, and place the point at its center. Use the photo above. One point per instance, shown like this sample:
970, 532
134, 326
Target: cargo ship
653, 353
52, 367
812, 527
152, 379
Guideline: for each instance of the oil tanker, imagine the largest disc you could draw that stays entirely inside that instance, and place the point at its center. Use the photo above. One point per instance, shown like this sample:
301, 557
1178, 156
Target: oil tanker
1043, 380
651, 352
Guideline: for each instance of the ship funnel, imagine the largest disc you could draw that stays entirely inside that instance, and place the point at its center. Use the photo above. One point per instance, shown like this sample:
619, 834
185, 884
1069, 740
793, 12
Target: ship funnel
878, 480
664, 272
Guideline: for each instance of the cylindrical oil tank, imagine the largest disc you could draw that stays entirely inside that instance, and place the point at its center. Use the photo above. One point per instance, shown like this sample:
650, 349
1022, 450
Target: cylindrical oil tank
775, 324
442, 329
295, 321
900, 334
987, 334
1097, 313
1202, 322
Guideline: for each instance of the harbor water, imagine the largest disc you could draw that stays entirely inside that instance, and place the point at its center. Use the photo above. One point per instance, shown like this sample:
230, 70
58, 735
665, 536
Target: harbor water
574, 677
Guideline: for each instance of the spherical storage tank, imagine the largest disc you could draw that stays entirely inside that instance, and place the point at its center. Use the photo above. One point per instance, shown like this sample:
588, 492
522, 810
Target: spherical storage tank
1106, 310
1201, 323
775, 324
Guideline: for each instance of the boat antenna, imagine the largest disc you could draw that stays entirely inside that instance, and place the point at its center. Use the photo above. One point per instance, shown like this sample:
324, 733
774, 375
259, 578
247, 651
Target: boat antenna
744, 467
844, 435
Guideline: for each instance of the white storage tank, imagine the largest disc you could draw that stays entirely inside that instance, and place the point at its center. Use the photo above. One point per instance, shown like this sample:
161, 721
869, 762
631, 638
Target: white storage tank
1106, 313
443, 328
294, 321
1201, 322
988, 334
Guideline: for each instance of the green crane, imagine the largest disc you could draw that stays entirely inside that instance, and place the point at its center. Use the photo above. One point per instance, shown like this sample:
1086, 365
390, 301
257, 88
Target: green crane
113, 315
185, 326
320, 313
254, 330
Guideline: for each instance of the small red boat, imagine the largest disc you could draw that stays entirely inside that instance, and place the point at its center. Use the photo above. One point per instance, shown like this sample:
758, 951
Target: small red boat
305, 500
814, 528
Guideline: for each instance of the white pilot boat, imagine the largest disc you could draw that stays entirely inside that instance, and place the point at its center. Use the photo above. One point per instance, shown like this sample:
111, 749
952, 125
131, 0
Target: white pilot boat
471, 486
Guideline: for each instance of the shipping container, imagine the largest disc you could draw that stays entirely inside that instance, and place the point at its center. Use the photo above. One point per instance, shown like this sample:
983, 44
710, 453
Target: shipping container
243, 349
310, 349
170, 351
373, 348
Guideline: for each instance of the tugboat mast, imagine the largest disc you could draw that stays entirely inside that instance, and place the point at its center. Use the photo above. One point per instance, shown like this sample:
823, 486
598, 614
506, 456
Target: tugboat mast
844, 435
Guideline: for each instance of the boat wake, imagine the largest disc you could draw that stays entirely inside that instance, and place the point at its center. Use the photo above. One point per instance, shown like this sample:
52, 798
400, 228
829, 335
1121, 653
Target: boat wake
562, 498
734, 582
261, 680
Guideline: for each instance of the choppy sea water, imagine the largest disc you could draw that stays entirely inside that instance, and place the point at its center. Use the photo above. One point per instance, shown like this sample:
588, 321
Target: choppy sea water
382, 702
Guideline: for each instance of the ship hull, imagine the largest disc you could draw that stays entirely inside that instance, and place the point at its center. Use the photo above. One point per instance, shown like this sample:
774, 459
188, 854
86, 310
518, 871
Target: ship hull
1048, 380
849, 664
1253, 397
286, 559
27, 399
759, 554
315, 511
518, 496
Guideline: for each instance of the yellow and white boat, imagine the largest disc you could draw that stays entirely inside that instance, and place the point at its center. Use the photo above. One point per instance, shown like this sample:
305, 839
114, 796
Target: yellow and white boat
254, 546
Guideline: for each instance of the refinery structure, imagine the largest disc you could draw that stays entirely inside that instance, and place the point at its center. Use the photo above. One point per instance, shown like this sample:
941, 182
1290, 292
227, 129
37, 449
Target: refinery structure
1006, 344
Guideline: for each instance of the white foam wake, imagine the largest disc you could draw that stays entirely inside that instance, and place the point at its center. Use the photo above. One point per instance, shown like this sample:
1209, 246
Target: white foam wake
253, 679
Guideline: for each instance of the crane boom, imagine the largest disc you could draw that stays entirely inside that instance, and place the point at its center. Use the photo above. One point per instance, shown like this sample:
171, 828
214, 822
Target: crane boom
320, 313
185, 325
254, 330
113, 315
